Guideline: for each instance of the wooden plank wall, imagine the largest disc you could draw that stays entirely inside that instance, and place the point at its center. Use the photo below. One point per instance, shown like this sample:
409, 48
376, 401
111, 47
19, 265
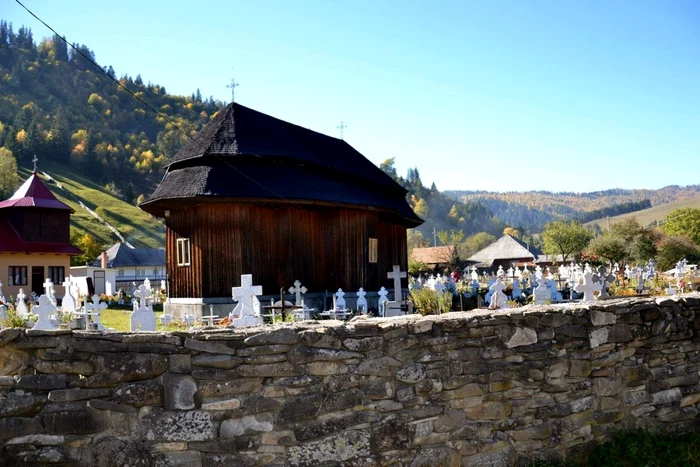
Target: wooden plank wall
325, 249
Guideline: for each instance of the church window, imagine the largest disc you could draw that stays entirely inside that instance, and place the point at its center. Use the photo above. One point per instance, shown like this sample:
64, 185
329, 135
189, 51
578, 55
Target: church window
373, 250
183, 251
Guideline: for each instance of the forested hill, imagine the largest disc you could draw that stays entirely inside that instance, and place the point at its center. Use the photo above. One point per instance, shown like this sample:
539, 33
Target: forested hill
57, 105
532, 209
441, 212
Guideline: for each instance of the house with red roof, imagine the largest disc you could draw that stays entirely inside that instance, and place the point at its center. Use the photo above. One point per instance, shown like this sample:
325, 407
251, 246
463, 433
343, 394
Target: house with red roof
34, 239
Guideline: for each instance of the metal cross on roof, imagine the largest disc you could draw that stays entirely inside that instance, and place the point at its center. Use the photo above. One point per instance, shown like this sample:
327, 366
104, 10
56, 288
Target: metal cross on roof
233, 87
341, 127
35, 160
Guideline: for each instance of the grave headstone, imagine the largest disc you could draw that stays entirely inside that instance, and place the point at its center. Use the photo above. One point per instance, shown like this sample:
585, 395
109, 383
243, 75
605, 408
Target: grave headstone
382, 299
605, 280
2, 297
361, 301
588, 287
68, 304
94, 309
298, 290
542, 294
246, 313
44, 311
142, 318
49, 291
21, 306
397, 274
499, 300
3, 312
339, 300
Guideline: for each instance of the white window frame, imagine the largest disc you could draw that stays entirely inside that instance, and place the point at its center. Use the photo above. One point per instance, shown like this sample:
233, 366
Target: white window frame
373, 253
183, 252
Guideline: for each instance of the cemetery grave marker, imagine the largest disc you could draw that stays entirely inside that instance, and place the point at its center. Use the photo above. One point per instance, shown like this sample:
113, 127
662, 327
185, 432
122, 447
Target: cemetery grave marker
44, 311
588, 287
362, 301
142, 318
20, 306
397, 274
246, 313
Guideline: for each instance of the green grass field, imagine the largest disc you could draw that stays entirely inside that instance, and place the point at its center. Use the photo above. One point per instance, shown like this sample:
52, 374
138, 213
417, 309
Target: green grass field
119, 321
647, 216
138, 227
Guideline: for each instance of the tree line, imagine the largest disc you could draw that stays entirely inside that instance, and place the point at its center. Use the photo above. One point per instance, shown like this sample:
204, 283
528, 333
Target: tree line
55, 104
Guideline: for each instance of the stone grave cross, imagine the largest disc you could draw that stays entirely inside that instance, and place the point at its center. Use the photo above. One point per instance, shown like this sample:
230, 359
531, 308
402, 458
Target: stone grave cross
49, 291
142, 293
397, 274
2, 297
68, 303
21, 305
498, 298
142, 318
93, 309
44, 310
298, 290
382, 299
588, 287
339, 300
605, 280
362, 301
245, 312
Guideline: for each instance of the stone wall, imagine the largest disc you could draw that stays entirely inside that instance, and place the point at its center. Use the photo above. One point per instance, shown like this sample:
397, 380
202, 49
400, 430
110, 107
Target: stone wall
480, 388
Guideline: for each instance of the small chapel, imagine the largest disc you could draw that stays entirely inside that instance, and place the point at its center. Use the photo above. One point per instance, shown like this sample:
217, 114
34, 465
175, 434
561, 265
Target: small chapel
34, 240
253, 194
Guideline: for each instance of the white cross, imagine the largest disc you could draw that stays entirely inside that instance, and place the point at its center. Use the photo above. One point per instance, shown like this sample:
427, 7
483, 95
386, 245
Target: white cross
361, 300
210, 318
2, 297
588, 287
339, 300
342, 127
49, 290
68, 303
21, 305
382, 298
244, 295
35, 160
297, 290
605, 280
498, 298
143, 294
93, 309
397, 274
44, 310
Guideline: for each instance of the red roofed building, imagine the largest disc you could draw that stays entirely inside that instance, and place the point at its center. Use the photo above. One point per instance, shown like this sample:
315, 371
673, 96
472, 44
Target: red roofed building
34, 239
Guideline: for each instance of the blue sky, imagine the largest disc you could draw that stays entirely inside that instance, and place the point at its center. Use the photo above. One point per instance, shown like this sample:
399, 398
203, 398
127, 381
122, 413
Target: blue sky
490, 95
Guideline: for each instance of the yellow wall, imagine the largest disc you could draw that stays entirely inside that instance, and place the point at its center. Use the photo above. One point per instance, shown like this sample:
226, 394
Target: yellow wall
29, 260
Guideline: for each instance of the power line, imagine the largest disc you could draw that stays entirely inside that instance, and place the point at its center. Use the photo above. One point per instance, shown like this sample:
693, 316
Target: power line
142, 101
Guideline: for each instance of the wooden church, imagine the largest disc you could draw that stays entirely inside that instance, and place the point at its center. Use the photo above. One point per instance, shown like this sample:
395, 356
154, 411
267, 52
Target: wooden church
252, 194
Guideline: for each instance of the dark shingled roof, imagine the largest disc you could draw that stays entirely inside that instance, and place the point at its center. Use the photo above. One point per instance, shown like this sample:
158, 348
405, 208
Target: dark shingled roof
245, 155
119, 255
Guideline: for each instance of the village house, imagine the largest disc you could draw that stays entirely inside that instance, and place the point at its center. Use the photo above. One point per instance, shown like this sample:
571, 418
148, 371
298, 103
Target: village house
507, 251
125, 267
34, 240
437, 258
253, 194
